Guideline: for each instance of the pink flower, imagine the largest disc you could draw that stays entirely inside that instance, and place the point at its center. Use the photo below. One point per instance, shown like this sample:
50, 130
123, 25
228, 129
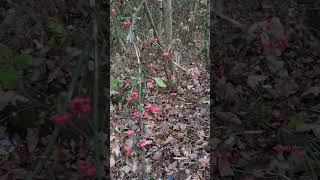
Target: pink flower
150, 83
128, 149
113, 10
149, 106
152, 108
135, 95
142, 143
221, 71
129, 99
195, 73
86, 169
300, 153
276, 114
281, 42
130, 132
136, 114
127, 24
145, 114
155, 109
61, 118
80, 104
145, 42
165, 54
285, 148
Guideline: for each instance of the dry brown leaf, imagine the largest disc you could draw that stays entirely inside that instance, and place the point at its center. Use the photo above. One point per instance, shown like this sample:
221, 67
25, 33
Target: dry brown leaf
228, 117
224, 165
32, 139
254, 80
12, 97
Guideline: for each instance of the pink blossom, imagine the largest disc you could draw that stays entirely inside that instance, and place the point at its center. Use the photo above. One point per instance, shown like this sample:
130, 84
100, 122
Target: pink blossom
135, 95
80, 104
276, 114
136, 114
281, 42
145, 42
195, 73
61, 118
155, 109
145, 114
130, 132
129, 99
128, 149
285, 148
127, 24
152, 108
165, 54
150, 83
300, 153
113, 10
142, 143
149, 106
86, 169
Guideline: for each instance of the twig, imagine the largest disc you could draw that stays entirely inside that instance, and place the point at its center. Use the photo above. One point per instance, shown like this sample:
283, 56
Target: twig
248, 172
236, 23
180, 66
250, 132
202, 120
155, 32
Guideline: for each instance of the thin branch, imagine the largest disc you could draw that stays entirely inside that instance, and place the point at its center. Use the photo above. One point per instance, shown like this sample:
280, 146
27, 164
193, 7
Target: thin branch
155, 32
236, 23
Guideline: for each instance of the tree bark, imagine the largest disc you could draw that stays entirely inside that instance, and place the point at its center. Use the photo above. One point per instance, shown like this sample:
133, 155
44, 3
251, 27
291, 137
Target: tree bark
169, 66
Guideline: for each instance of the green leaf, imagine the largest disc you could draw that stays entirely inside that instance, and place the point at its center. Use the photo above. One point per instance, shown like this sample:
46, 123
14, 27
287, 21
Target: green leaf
56, 28
295, 121
9, 76
52, 43
114, 83
159, 82
5, 51
23, 61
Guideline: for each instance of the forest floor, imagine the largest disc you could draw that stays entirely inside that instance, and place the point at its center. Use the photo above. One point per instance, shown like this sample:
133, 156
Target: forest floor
177, 136
267, 108
41, 44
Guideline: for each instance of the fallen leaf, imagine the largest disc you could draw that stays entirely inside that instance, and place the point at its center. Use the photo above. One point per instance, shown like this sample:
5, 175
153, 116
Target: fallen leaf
312, 92
224, 165
112, 161
228, 117
126, 169
254, 80
32, 139
11, 97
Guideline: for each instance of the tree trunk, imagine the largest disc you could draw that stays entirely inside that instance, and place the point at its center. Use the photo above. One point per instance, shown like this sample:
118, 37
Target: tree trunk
169, 68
